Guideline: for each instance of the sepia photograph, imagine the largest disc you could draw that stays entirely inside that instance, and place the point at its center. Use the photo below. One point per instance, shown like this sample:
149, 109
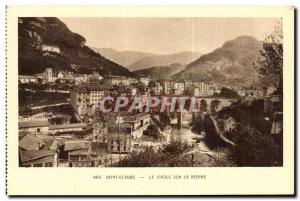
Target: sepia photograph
150, 101
150, 92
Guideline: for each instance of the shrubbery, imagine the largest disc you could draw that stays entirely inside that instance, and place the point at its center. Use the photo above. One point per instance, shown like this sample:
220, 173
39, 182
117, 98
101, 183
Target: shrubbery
256, 149
167, 156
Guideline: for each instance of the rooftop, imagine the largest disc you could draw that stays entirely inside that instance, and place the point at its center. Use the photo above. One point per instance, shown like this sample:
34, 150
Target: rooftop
136, 117
26, 77
76, 145
29, 155
64, 126
92, 87
30, 124
29, 142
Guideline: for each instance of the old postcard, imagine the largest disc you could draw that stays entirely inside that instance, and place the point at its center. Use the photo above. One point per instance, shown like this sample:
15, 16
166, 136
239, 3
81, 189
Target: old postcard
150, 101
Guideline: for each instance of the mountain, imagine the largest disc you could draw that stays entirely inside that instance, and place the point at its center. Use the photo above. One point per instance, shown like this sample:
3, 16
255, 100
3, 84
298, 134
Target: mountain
160, 72
47, 42
124, 58
164, 60
230, 64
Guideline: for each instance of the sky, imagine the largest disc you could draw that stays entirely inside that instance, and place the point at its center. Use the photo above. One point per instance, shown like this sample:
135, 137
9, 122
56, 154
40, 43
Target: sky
167, 35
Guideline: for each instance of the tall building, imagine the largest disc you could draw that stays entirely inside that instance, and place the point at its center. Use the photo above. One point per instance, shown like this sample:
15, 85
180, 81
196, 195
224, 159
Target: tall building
202, 89
85, 100
49, 74
179, 88
167, 86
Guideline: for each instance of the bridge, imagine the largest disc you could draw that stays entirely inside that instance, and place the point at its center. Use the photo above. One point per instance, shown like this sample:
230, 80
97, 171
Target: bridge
209, 105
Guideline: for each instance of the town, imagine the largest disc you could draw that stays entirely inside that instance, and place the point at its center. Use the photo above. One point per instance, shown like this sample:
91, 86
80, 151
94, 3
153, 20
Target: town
88, 102
61, 123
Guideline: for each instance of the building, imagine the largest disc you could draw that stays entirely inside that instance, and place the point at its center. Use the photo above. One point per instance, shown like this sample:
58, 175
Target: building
99, 132
60, 75
80, 99
188, 84
38, 158
95, 78
29, 142
167, 86
254, 93
23, 79
179, 87
86, 99
83, 153
132, 90
119, 138
49, 75
117, 80
141, 87
229, 124
155, 87
241, 93
37, 127
79, 79
33, 152
202, 89
273, 107
67, 128
51, 48
138, 123
273, 103
145, 80
277, 123
269, 90
77, 150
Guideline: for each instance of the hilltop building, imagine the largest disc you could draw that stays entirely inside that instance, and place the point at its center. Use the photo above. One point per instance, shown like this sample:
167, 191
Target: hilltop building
51, 48
23, 79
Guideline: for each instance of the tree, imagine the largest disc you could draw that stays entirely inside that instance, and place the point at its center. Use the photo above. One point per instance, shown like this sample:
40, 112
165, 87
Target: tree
228, 93
211, 138
270, 63
152, 131
164, 118
214, 105
203, 105
255, 148
198, 124
169, 155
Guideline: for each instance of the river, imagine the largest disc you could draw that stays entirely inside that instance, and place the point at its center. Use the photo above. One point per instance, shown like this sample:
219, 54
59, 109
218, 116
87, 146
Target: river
185, 134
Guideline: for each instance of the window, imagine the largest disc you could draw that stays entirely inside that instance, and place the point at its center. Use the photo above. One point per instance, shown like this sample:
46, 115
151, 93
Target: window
49, 164
74, 157
83, 157
38, 165
38, 130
